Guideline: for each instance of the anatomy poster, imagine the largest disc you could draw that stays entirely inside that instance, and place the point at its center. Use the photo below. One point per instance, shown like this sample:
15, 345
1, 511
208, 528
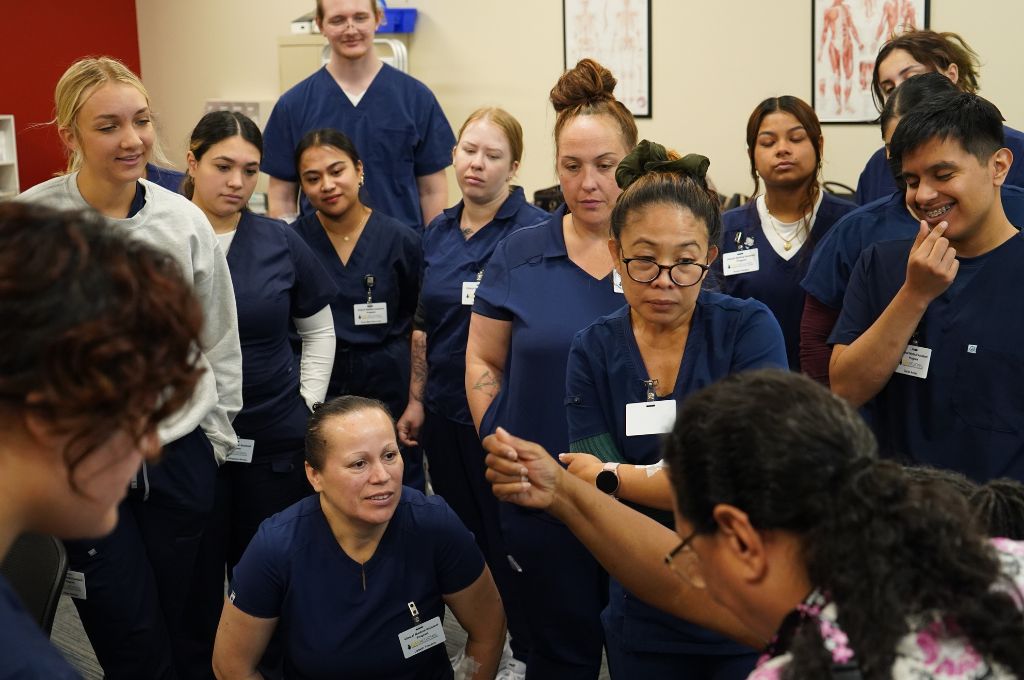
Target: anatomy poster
617, 34
847, 35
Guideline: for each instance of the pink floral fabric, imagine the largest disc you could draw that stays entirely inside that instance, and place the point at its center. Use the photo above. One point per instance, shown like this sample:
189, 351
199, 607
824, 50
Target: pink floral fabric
933, 650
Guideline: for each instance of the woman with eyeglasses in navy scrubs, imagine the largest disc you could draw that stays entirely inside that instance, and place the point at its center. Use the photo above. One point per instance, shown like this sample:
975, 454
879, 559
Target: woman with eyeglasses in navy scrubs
375, 261
542, 285
456, 248
628, 371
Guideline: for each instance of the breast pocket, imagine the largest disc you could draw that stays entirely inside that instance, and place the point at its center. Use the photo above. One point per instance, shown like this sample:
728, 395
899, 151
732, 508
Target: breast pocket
988, 391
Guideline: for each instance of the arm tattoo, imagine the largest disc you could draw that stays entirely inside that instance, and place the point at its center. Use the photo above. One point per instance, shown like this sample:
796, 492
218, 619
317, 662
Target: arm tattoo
488, 383
419, 365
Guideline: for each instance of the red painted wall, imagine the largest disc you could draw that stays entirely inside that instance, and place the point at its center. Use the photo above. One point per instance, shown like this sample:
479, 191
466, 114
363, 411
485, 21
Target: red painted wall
39, 39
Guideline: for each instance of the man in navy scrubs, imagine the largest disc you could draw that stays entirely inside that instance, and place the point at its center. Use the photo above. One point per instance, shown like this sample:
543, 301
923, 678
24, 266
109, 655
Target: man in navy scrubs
931, 336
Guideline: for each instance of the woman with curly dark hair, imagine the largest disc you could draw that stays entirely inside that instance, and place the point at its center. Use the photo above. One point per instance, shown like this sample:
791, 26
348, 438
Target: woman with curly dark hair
794, 535
97, 337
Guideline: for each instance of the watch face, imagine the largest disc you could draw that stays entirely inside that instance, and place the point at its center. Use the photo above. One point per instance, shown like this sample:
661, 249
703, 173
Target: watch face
607, 481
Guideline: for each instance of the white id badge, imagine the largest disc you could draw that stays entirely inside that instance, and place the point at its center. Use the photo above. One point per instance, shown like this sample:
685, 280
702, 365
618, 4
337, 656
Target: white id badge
915, 362
422, 637
243, 452
370, 313
74, 585
650, 417
469, 291
740, 262
616, 281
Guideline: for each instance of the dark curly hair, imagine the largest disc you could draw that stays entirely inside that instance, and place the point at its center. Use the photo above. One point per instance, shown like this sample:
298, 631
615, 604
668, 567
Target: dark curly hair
885, 547
98, 333
998, 505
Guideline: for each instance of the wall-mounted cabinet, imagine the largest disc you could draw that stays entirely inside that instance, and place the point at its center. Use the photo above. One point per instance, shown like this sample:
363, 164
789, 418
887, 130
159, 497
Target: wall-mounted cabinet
8, 158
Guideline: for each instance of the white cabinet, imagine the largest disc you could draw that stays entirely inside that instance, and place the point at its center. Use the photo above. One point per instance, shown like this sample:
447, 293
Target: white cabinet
8, 158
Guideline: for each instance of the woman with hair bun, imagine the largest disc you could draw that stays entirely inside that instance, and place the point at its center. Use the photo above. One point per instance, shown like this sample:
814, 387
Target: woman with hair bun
767, 243
628, 369
542, 285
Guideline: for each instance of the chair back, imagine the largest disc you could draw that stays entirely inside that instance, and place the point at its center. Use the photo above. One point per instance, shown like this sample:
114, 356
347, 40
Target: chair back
35, 567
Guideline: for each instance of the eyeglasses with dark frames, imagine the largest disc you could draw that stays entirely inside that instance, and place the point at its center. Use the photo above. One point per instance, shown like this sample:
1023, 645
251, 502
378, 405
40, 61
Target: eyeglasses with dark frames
645, 270
684, 562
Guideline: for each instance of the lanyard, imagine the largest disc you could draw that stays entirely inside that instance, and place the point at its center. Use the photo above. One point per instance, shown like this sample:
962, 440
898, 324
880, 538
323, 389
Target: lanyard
369, 280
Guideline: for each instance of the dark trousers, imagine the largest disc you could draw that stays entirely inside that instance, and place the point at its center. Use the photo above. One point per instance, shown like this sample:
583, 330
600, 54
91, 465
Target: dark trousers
625, 664
247, 494
380, 372
456, 461
139, 578
563, 590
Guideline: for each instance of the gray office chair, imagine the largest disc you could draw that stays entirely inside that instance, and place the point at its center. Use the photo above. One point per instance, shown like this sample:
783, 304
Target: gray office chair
35, 568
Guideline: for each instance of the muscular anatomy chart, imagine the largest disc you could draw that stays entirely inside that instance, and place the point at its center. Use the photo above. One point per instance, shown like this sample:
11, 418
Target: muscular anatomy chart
617, 34
847, 35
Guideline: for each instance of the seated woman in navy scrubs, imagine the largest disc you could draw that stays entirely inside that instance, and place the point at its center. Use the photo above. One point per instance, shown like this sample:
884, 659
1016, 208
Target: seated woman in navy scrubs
542, 285
628, 371
96, 350
357, 577
767, 243
456, 248
375, 261
277, 282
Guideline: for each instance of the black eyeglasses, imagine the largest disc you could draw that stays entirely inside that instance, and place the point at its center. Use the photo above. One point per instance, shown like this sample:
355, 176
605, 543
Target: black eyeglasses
644, 270
689, 562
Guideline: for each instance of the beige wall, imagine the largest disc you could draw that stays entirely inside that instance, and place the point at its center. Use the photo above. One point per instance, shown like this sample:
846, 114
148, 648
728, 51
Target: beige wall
710, 67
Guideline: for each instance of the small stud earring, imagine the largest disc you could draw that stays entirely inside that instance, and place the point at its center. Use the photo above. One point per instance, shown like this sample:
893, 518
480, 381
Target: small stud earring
362, 179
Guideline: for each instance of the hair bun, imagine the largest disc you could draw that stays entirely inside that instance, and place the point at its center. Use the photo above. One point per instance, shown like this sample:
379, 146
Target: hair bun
586, 83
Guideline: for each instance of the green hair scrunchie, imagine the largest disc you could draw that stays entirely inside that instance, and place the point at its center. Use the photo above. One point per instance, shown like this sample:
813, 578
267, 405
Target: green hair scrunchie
652, 157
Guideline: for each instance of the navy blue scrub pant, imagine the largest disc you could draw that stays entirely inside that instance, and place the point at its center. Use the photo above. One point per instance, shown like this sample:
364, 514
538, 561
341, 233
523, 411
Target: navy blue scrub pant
625, 664
247, 494
380, 372
456, 460
139, 579
563, 590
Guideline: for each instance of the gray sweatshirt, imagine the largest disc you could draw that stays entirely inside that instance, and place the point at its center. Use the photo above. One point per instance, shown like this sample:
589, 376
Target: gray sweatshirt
175, 226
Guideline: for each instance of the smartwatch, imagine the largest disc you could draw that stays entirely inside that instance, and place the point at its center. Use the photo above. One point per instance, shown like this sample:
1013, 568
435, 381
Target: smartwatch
608, 479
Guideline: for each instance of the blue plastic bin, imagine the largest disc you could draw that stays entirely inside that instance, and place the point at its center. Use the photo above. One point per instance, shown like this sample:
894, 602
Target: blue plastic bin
399, 20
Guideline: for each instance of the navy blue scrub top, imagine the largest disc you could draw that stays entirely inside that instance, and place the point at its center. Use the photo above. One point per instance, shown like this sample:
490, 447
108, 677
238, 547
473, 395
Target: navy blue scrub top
390, 252
968, 414
398, 128
531, 282
24, 651
332, 626
449, 259
886, 219
777, 282
876, 180
276, 278
606, 370
166, 177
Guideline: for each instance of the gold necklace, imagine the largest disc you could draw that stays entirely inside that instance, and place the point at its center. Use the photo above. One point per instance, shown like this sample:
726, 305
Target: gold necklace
787, 244
359, 228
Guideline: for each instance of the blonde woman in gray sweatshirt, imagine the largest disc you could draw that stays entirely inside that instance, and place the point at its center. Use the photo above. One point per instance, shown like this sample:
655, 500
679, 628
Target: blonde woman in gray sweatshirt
134, 585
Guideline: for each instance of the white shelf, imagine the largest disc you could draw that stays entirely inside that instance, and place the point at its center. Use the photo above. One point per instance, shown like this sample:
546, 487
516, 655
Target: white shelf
8, 158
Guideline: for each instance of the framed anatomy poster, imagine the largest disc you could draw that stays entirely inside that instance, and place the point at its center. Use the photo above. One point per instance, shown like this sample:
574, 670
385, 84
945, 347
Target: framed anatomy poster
846, 37
617, 34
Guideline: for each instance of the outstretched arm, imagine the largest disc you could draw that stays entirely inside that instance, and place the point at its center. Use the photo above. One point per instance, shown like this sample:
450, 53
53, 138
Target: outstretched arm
629, 545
